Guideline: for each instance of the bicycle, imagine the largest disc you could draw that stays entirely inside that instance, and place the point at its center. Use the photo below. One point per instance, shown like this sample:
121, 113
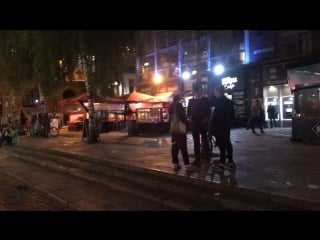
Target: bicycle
44, 130
54, 132
211, 144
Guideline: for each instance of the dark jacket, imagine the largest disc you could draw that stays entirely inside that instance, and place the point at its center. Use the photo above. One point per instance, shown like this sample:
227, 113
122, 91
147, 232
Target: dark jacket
180, 112
198, 109
272, 113
223, 115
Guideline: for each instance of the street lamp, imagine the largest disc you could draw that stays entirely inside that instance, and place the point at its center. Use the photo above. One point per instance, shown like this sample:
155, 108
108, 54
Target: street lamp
218, 69
186, 75
157, 78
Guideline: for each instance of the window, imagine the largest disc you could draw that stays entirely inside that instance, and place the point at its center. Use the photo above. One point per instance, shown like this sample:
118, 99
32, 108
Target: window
259, 33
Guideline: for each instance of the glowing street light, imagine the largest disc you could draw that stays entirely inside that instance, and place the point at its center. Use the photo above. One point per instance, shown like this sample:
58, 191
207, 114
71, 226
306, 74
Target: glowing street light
218, 69
186, 75
157, 78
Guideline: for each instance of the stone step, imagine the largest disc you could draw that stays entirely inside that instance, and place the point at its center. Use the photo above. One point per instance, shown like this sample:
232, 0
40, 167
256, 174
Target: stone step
170, 190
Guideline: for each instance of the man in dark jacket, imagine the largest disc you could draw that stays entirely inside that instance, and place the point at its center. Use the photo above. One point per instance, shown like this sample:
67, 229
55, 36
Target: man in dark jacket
220, 127
199, 113
272, 115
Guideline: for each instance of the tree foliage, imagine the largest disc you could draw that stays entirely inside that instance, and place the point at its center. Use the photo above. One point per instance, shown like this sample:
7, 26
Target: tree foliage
32, 57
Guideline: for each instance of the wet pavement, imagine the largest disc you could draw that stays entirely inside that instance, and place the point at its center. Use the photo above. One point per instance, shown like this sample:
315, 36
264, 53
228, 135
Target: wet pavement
18, 195
268, 162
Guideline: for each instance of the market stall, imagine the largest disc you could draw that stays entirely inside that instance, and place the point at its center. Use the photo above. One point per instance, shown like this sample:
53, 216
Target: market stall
305, 84
109, 112
147, 114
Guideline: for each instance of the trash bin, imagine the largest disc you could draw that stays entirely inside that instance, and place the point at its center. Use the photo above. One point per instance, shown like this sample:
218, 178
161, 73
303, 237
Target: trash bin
132, 127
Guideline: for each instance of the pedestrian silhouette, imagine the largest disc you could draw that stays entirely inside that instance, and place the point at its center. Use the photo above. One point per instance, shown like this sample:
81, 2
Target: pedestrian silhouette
272, 115
257, 116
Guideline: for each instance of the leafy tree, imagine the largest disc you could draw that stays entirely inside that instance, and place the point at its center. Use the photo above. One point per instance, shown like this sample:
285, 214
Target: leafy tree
44, 58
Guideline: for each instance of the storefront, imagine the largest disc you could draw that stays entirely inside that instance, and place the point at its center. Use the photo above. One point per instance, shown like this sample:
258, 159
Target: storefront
305, 83
276, 92
281, 98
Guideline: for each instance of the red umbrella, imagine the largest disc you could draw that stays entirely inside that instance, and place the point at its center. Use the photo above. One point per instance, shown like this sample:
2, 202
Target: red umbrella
84, 98
115, 100
136, 97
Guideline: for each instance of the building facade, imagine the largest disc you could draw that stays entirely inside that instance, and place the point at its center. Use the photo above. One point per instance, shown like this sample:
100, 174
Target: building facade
174, 60
255, 64
271, 54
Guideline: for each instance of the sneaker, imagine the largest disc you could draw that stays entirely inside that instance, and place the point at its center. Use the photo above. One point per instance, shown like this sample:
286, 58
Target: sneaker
206, 163
196, 163
231, 166
218, 167
192, 167
176, 166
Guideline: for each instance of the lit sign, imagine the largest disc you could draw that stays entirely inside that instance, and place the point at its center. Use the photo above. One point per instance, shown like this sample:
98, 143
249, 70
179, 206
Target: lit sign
287, 102
229, 82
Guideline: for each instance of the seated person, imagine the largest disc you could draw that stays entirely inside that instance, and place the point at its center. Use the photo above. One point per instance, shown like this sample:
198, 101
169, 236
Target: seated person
6, 137
13, 134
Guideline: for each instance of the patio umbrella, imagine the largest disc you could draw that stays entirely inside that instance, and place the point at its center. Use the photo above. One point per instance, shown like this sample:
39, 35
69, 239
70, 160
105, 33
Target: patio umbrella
136, 97
84, 98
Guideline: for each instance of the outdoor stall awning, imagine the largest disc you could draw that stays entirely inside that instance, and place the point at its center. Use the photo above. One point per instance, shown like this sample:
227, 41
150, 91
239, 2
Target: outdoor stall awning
304, 76
79, 103
83, 98
135, 97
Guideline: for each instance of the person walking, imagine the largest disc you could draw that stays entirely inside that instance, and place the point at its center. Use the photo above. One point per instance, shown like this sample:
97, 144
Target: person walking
178, 140
256, 116
199, 113
220, 127
272, 115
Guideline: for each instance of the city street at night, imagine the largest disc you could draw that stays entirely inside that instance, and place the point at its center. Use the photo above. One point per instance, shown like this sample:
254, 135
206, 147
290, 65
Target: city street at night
94, 111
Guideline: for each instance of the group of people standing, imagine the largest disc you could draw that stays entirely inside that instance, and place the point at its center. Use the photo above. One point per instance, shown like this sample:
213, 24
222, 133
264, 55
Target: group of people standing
211, 117
203, 121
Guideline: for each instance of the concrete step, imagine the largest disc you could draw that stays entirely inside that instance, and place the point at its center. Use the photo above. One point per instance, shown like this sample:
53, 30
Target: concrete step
169, 190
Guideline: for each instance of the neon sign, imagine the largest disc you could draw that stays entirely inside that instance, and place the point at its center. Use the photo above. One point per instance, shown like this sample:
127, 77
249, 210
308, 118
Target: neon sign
229, 82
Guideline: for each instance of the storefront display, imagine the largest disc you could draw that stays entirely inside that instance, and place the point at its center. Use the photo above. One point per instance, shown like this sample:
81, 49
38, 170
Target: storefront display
152, 120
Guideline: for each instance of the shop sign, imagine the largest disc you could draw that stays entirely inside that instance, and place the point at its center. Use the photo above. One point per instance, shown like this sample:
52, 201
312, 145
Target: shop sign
316, 128
229, 82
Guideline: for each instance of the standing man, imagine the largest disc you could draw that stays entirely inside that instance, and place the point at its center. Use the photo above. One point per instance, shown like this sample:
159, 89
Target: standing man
220, 127
272, 115
199, 113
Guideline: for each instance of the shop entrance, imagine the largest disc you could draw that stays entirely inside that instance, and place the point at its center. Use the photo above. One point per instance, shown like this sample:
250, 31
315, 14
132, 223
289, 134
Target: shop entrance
281, 98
